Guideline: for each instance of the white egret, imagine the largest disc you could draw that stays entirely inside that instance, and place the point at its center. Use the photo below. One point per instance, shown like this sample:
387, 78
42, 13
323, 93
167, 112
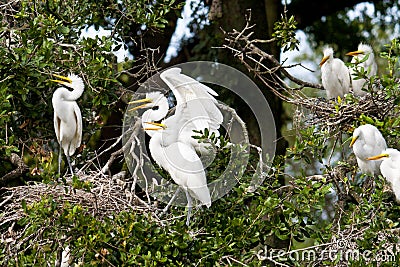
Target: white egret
172, 147
200, 106
334, 74
369, 65
179, 159
367, 141
204, 111
67, 116
157, 105
390, 168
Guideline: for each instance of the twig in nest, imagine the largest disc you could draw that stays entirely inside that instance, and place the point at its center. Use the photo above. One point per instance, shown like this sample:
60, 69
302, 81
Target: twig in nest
21, 169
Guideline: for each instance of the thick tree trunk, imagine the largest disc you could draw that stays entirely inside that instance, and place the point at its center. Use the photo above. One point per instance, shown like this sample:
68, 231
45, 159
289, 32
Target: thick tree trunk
228, 15
263, 14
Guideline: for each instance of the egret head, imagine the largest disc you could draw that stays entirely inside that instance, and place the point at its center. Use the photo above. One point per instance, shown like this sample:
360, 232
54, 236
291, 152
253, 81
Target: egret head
362, 50
72, 81
328, 54
356, 134
153, 99
363, 132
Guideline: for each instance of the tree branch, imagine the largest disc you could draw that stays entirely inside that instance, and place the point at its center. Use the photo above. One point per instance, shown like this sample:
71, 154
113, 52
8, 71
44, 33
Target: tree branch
21, 168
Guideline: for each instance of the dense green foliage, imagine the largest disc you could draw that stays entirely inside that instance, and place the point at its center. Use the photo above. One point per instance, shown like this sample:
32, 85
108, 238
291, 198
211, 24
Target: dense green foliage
39, 38
335, 210
137, 238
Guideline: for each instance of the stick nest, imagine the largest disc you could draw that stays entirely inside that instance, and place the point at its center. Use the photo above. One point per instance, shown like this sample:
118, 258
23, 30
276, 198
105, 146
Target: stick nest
332, 115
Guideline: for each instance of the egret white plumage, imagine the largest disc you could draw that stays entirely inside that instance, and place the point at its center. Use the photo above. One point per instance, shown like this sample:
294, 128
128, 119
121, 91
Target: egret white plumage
179, 159
367, 141
198, 99
67, 116
334, 74
390, 168
204, 111
172, 146
369, 65
157, 105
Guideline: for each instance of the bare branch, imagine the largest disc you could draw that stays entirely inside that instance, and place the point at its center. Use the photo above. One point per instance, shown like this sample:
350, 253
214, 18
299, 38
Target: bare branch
21, 168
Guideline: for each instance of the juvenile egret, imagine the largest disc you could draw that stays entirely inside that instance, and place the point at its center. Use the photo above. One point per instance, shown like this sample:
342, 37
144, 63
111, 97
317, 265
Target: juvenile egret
179, 159
367, 141
204, 111
200, 106
157, 105
67, 116
390, 168
172, 146
334, 74
369, 65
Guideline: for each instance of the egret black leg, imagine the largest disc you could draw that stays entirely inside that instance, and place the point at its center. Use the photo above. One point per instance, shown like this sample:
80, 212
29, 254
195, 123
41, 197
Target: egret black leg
70, 166
59, 159
69, 161
170, 202
189, 203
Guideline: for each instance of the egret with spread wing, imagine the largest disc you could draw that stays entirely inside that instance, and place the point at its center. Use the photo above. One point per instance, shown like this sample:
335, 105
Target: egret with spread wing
172, 146
367, 141
67, 116
199, 102
204, 111
334, 74
390, 168
367, 64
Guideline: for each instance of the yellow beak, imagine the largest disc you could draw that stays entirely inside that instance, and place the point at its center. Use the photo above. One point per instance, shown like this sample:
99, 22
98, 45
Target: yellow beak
353, 141
355, 53
144, 100
141, 101
163, 126
66, 79
324, 59
383, 155
152, 129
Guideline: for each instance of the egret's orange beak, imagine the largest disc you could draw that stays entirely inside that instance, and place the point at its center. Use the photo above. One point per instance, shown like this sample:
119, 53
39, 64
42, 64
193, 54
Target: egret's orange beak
324, 59
159, 125
355, 53
353, 141
144, 100
383, 155
67, 81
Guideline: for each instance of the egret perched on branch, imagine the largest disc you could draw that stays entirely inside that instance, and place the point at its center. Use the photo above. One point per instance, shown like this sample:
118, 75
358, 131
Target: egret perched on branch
172, 146
390, 168
365, 58
179, 159
334, 74
367, 141
67, 116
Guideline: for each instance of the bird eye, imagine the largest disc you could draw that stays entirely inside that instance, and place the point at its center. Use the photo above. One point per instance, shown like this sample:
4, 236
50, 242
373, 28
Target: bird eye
155, 108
